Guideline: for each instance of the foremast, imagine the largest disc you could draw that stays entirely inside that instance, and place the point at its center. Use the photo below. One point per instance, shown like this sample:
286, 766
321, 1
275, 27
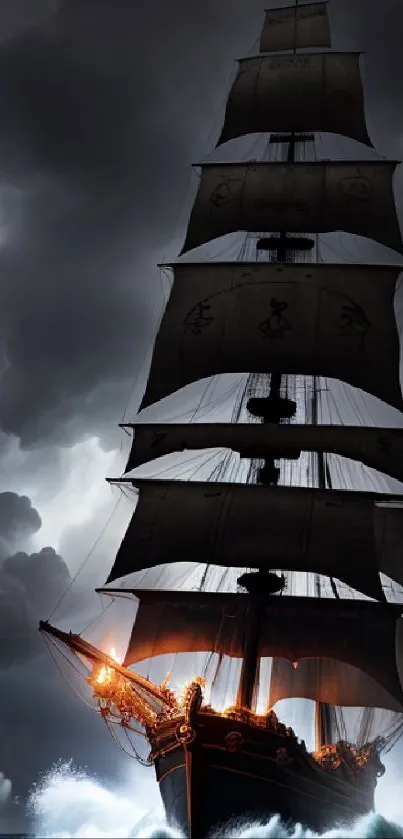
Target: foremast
246, 696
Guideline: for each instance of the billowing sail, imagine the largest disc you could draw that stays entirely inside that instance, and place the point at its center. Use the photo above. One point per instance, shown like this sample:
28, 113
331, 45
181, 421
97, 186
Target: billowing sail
340, 533
310, 92
328, 680
379, 448
359, 633
354, 196
297, 27
317, 319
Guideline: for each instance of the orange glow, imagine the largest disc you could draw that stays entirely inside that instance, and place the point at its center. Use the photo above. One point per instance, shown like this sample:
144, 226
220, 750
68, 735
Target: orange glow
113, 654
181, 688
106, 673
102, 675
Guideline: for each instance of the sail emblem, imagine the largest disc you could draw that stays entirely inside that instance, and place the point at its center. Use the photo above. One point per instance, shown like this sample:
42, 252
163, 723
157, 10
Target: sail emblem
299, 61
197, 319
276, 324
353, 322
221, 194
356, 188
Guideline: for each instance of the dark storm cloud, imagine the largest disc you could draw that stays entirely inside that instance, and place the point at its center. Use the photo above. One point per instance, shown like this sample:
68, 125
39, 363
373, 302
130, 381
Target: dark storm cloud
44, 576
98, 124
30, 584
18, 521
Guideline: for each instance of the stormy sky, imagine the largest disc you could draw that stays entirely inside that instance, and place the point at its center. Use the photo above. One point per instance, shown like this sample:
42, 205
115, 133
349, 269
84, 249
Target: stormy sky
104, 104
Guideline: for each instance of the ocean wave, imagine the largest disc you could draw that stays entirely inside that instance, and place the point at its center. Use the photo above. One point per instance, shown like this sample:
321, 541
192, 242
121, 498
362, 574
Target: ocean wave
69, 804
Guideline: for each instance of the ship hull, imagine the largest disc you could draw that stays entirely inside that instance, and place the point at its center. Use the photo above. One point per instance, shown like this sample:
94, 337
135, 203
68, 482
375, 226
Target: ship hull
236, 771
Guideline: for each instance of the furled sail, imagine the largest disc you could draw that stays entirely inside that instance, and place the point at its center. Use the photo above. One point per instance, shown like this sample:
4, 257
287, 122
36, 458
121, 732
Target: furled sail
359, 633
328, 680
318, 319
295, 27
354, 196
379, 448
309, 92
336, 533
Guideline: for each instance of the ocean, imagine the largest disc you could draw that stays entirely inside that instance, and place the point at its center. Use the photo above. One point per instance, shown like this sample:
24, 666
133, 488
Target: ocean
69, 804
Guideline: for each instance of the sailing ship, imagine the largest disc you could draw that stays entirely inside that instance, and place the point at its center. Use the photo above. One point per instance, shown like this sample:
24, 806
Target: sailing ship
291, 322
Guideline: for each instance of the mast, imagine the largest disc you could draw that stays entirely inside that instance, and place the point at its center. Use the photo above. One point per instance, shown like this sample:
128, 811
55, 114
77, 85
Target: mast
251, 661
323, 711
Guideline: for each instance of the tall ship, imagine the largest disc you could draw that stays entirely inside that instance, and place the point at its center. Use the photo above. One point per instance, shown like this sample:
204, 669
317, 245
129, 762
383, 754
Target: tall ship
289, 543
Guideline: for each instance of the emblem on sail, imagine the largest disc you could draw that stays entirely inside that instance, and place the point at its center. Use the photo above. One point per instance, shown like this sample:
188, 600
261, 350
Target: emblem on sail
311, 92
356, 188
199, 318
338, 321
276, 325
353, 322
270, 196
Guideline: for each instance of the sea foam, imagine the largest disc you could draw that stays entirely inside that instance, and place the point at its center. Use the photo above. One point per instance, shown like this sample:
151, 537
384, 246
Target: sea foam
70, 804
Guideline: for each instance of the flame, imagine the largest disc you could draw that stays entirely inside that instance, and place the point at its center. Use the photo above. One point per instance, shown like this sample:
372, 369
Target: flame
113, 654
101, 678
106, 673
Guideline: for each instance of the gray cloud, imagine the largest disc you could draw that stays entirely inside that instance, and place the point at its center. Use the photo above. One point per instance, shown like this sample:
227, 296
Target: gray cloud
19, 641
44, 576
30, 585
18, 521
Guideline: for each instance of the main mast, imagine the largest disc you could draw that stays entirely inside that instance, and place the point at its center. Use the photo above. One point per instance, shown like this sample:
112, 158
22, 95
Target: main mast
323, 711
275, 409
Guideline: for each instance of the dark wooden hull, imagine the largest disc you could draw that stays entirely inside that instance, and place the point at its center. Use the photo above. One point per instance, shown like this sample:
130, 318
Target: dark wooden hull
234, 770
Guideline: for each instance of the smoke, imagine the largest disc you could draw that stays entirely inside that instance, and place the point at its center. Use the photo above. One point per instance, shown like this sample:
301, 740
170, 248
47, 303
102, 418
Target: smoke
70, 804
